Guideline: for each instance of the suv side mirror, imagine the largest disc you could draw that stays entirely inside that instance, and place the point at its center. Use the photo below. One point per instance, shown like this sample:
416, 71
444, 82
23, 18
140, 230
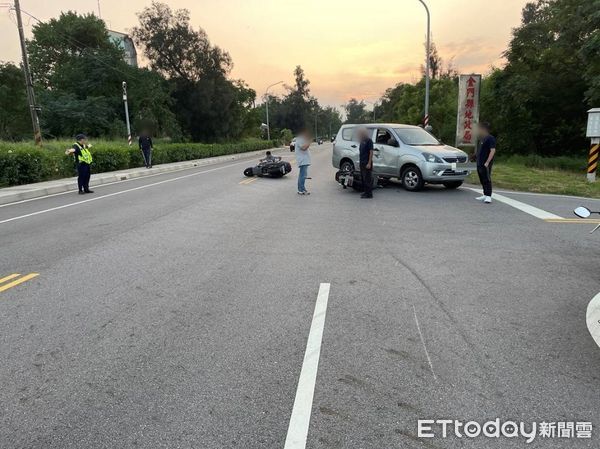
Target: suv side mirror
393, 142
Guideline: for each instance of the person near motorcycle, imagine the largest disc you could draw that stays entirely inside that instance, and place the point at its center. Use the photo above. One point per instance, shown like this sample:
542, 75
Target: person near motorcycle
366, 162
303, 159
485, 160
270, 158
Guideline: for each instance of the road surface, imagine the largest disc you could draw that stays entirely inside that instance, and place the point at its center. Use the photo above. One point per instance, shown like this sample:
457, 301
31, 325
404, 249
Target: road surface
175, 311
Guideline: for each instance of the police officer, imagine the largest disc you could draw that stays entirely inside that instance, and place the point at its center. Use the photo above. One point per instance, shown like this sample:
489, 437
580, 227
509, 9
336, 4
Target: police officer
83, 157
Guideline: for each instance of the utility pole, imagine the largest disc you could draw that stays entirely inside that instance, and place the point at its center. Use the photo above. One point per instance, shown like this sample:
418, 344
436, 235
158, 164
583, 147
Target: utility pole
99, 11
33, 108
126, 113
267, 105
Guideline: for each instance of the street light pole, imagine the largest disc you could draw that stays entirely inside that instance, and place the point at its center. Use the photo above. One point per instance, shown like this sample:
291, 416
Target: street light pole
127, 113
33, 108
267, 105
426, 116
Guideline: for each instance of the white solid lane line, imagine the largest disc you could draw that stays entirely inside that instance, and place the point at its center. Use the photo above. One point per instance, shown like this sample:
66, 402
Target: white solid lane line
96, 198
536, 212
301, 412
593, 318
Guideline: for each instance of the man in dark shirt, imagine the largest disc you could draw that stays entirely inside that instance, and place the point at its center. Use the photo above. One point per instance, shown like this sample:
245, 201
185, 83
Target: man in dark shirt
485, 160
145, 143
366, 162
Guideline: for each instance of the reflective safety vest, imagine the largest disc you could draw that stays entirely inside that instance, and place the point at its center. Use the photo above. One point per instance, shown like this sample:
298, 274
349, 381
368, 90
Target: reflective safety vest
85, 156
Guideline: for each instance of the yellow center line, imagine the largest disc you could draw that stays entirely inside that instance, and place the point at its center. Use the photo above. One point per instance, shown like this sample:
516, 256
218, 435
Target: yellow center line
248, 181
571, 220
9, 277
18, 281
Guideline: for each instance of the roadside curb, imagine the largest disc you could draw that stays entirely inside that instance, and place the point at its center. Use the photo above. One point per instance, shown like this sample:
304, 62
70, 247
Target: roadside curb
30, 191
593, 318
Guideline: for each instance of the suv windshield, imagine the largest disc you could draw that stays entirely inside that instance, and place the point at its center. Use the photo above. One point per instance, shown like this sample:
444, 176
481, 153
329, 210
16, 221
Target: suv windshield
416, 136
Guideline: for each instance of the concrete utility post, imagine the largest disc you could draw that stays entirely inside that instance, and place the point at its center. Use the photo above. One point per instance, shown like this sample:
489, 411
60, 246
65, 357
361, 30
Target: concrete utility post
593, 132
126, 113
267, 106
427, 51
33, 108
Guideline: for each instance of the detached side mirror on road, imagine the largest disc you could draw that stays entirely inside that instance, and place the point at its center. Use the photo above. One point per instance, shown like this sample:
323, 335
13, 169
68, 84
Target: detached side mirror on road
582, 212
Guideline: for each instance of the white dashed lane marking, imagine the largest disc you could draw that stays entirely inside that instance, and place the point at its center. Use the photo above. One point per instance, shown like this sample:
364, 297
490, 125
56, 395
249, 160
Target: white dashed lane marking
301, 412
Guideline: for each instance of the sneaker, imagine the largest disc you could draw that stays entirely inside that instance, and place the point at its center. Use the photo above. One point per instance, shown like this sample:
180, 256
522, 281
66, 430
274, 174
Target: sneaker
81, 192
487, 200
480, 198
306, 192
301, 193
89, 191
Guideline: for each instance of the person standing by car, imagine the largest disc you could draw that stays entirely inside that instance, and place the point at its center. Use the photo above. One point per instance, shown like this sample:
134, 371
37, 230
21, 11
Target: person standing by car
83, 158
366, 162
145, 143
485, 160
302, 159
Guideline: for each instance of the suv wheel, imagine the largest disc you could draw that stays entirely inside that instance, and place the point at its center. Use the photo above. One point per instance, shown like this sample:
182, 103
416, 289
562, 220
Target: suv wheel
347, 166
412, 179
453, 184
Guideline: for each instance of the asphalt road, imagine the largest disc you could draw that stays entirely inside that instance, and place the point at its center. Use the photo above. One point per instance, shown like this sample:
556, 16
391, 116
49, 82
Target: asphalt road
174, 312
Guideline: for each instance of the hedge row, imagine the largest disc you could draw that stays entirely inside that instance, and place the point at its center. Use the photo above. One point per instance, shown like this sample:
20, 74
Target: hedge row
24, 163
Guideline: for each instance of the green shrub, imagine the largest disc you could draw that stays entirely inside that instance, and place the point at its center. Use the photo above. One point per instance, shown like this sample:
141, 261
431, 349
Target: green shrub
23, 163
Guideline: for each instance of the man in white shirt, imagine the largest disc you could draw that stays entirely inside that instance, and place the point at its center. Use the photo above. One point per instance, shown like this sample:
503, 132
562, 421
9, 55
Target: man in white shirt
303, 159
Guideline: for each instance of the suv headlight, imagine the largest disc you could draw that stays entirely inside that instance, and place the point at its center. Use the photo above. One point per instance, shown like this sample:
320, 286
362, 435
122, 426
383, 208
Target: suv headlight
432, 158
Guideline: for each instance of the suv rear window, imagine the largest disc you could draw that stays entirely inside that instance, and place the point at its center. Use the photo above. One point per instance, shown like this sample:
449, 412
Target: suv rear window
348, 133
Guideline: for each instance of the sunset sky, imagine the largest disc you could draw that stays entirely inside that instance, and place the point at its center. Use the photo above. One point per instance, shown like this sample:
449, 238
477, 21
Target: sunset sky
347, 48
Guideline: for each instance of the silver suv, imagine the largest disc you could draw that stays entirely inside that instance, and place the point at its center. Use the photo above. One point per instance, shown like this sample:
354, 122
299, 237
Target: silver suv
406, 152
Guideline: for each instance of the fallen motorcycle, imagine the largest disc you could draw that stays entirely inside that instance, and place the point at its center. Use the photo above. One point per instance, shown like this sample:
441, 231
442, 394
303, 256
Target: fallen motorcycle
584, 212
271, 168
348, 177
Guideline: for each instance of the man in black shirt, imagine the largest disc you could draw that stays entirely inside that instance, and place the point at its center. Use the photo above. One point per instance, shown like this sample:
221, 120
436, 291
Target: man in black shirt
366, 162
145, 143
485, 160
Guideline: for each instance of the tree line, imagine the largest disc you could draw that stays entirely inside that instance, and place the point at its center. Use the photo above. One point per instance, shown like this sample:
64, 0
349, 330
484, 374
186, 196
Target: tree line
536, 103
186, 93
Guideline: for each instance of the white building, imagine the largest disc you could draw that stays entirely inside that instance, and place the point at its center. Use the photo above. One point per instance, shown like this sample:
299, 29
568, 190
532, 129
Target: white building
126, 44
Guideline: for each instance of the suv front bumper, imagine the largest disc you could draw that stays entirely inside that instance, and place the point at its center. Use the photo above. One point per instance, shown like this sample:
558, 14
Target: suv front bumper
440, 172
